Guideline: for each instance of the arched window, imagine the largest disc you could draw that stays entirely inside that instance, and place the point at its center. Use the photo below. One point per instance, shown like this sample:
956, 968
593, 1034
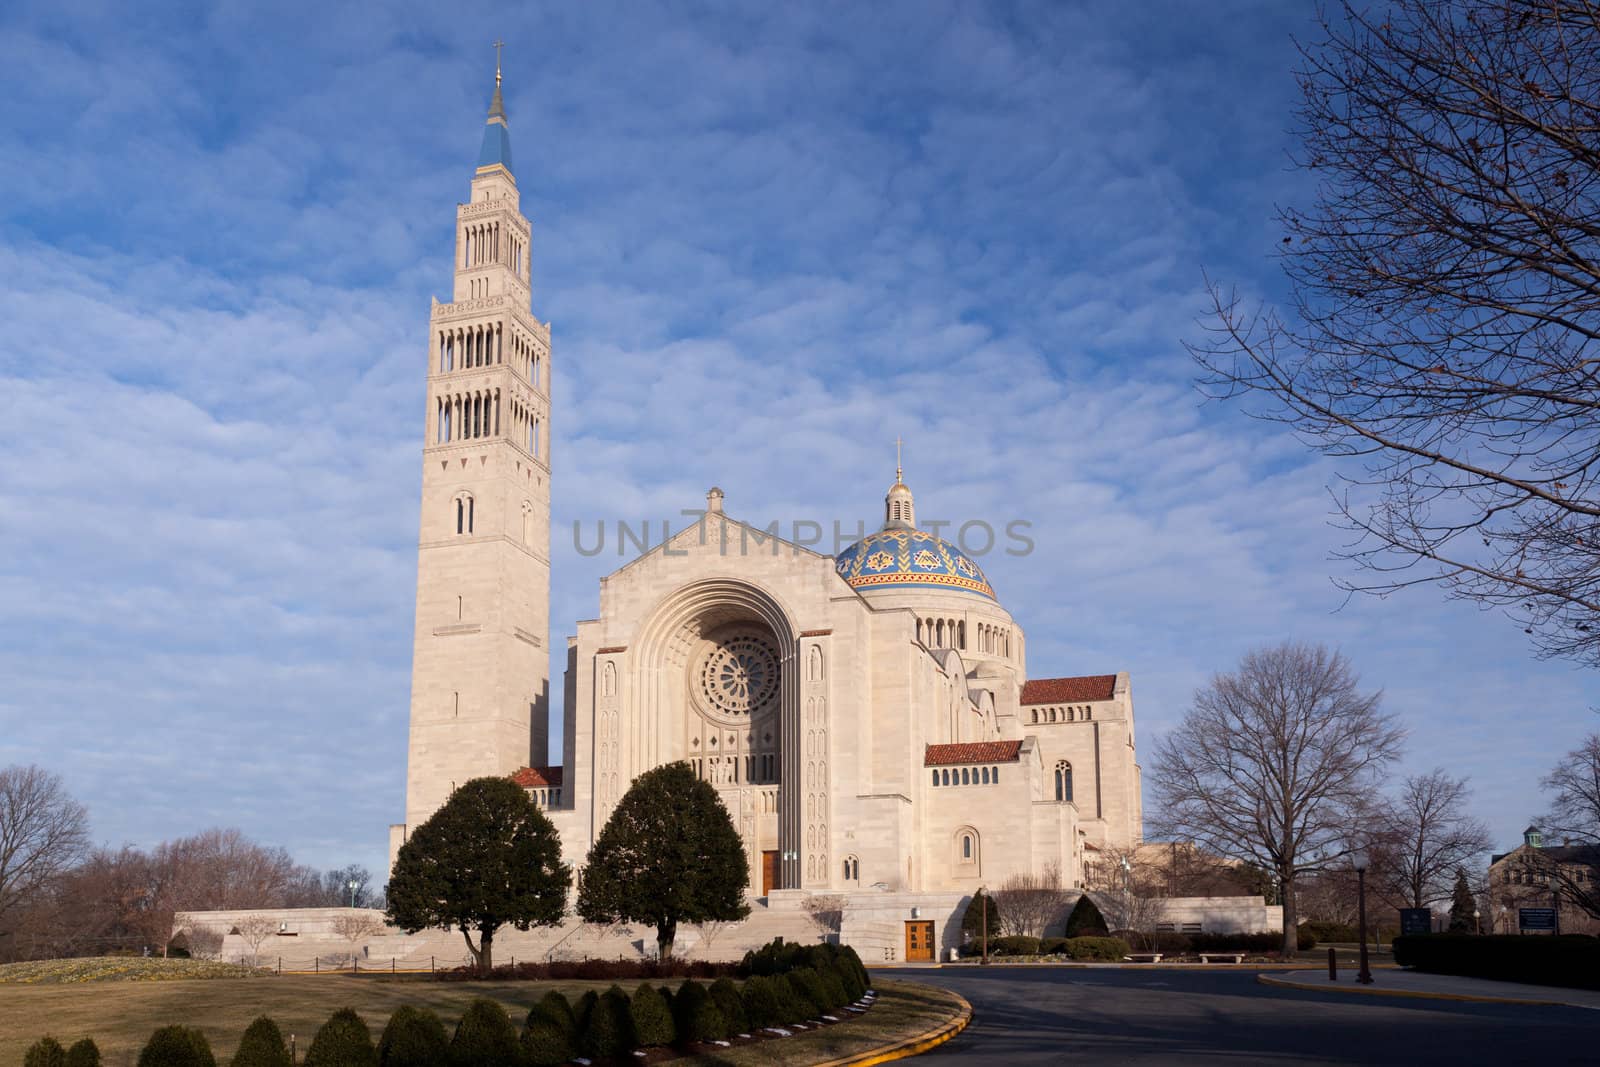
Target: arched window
852, 869
968, 847
1036, 715
935, 777
946, 777
995, 777
938, 634
986, 776
961, 635
965, 780
1088, 713
919, 632
464, 508
1064, 782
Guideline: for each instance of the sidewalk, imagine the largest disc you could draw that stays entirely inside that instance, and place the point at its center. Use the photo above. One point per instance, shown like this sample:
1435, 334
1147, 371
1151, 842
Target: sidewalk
1398, 983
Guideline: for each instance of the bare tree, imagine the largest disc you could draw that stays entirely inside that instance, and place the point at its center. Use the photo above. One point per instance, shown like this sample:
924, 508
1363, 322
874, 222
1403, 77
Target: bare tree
356, 927
1268, 764
1428, 836
1030, 902
43, 833
1574, 818
826, 911
255, 929
1445, 302
203, 942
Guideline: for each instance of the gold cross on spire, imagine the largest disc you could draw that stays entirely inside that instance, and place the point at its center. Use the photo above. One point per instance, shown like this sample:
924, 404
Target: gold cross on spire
498, 44
897, 459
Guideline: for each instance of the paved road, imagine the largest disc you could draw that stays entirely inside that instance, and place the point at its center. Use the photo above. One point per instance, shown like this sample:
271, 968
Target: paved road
1024, 1015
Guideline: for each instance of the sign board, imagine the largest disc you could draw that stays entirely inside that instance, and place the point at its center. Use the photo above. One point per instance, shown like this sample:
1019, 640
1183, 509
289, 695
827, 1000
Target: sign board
1536, 918
1416, 920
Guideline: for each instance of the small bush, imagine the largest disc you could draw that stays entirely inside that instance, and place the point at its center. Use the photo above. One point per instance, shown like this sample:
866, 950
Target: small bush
582, 1010
853, 989
1330, 933
1097, 948
606, 1031
1086, 920
555, 1009
45, 1052
342, 1041
484, 1037
178, 1046
1251, 943
1016, 945
86, 1053
796, 1006
776, 957
262, 1046
726, 996
593, 970
834, 988
652, 1019
696, 1015
544, 1044
809, 982
860, 968
972, 918
763, 1005
413, 1037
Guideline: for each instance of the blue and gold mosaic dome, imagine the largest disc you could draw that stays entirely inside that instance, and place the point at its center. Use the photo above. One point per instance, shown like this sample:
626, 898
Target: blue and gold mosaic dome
902, 558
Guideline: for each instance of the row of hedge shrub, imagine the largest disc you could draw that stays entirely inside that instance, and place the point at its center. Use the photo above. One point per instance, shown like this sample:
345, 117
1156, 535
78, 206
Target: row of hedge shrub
1571, 960
788, 984
593, 971
1078, 948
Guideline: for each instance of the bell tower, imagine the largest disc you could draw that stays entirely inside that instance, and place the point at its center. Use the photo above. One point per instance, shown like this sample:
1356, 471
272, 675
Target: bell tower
480, 685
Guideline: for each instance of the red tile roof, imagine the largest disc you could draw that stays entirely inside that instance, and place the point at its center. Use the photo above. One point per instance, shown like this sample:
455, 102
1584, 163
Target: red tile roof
1069, 690
538, 777
971, 752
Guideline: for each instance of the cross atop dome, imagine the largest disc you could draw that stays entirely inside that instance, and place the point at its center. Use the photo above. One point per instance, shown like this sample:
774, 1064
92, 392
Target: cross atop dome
899, 511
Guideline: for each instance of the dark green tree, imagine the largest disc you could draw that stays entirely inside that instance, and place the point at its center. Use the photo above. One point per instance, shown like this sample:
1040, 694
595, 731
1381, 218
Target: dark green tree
84, 1053
488, 858
1086, 920
45, 1052
413, 1037
669, 854
972, 920
342, 1041
262, 1046
1462, 905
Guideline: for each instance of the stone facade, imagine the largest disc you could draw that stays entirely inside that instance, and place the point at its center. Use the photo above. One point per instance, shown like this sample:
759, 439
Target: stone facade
868, 719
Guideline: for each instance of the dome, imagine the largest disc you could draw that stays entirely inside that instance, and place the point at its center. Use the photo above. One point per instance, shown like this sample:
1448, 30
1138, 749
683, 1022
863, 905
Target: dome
900, 558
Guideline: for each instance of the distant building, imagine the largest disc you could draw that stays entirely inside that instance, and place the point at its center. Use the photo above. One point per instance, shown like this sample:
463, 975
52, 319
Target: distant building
1532, 875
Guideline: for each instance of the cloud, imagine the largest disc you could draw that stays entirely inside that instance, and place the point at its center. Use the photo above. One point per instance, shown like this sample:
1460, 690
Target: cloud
770, 245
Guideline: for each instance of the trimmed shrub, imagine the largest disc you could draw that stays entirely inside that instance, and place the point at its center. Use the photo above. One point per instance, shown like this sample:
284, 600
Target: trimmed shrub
809, 982
1097, 948
1330, 933
606, 1031
796, 1006
554, 1008
484, 1037
85, 1053
1570, 960
1169, 941
1086, 920
45, 1052
852, 982
860, 968
178, 1046
972, 918
1252, 943
413, 1037
262, 1046
545, 1044
763, 1005
652, 1019
582, 1010
696, 1015
342, 1041
1016, 945
776, 957
726, 996
833, 987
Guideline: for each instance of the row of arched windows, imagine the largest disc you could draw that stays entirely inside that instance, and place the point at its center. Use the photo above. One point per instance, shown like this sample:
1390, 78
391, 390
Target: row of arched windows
528, 359
994, 640
1063, 782
852, 869
462, 416
1078, 713
527, 429
942, 633
481, 245
470, 346
960, 776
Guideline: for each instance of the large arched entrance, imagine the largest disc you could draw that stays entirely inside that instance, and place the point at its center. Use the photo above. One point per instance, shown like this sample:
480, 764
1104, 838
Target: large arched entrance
720, 690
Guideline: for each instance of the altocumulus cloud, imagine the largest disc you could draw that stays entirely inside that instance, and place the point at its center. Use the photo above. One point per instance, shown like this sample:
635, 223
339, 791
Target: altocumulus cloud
770, 241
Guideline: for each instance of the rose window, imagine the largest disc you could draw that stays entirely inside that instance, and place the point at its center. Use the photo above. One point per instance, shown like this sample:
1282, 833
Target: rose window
740, 675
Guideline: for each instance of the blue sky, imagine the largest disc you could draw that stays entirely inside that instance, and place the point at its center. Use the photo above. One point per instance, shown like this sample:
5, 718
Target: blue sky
771, 239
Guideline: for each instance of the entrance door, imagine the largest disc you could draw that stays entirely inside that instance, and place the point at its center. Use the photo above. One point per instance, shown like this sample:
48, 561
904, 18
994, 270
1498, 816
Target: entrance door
919, 941
769, 872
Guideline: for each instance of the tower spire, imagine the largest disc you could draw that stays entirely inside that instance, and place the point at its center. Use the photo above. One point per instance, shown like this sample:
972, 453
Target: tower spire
496, 150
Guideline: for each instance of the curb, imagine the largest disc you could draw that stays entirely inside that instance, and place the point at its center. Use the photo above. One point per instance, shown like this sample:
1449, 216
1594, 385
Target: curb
1417, 994
915, 1045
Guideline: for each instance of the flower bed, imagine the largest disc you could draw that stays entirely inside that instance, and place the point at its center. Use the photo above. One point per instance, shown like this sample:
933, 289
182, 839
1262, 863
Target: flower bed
121, 969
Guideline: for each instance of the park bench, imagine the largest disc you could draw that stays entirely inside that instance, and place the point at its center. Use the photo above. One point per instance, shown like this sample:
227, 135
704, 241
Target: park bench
1222, 957
1145, 957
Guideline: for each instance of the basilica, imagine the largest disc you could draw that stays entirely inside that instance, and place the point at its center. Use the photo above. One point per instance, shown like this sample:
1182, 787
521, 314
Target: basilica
869, 719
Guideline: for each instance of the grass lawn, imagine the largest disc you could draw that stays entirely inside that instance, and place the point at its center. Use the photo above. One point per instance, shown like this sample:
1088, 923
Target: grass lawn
121, 1015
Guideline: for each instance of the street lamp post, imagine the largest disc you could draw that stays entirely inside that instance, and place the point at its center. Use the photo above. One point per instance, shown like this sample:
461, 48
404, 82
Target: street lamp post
353, 886
1360, 860
1127, 894
1477, 926
983, 892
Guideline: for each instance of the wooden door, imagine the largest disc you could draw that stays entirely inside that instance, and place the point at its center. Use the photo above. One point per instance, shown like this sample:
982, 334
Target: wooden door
919, 941
769, 872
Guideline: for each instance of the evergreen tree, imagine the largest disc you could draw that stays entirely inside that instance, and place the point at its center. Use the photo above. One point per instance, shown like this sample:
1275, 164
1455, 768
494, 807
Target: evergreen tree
1462, 905
1086, 920
669, 854
486, 859
972, 920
